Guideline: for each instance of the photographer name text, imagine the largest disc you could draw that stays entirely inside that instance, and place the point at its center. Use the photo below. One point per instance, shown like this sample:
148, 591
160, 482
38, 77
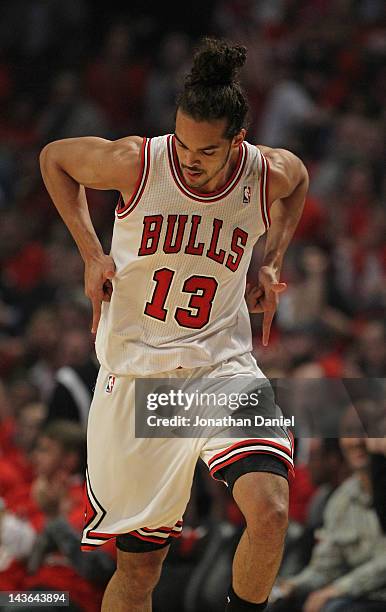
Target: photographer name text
225, 421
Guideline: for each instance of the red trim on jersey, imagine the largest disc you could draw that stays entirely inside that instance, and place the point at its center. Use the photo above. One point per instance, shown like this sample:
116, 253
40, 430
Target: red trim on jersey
101, 535
213, 196
86, 547
292, 440
264, 179
240, 455
249, 442
155, 540
93, 509
120, 203
169, 531
160, 529
140, 184
90, 511
266, 192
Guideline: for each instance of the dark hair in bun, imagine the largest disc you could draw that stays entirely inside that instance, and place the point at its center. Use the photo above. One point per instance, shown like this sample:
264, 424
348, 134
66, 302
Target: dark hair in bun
212, 90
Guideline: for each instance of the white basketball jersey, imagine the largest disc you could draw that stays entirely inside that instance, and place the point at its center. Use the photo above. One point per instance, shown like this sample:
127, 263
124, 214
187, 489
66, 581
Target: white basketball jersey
181, 262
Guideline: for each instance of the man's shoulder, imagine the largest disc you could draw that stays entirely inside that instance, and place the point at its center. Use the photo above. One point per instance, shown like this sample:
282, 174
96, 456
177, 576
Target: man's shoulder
132, 155
286, 171
126, 156
127, 146
276, 155
131, 148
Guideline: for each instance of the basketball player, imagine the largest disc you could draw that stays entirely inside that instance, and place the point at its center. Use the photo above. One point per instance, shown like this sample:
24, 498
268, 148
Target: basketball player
168, 302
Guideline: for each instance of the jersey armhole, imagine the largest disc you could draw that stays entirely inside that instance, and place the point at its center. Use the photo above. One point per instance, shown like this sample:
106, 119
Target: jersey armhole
122, 209
264, 183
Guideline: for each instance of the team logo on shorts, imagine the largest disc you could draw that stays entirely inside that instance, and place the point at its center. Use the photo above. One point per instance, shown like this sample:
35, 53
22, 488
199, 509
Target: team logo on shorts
246, 194
110, 384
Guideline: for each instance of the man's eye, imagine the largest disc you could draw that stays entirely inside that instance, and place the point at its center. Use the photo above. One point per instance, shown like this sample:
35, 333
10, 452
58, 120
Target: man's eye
208, 153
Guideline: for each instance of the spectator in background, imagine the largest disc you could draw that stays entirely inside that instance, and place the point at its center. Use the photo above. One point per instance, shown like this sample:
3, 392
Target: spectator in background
64, 272
377, 449
20, 392
53, 506
116, 80
302, 491
370, 349
41, 349
327, 470
354, 140
347, 570
46, 27
7, 422
307, 305
16, 449
23, 261
16, 542
164, 82
74, 380
373, 415
304, 303
58, 458
288, 106
69, 112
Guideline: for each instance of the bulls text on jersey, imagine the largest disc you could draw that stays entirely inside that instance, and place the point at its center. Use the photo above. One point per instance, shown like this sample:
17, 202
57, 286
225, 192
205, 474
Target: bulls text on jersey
182, 232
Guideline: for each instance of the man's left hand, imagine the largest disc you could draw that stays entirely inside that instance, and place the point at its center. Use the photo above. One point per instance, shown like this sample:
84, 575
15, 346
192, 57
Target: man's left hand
265, 298
316, 600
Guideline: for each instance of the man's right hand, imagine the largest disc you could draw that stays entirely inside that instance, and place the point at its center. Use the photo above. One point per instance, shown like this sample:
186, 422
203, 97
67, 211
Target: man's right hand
97, 283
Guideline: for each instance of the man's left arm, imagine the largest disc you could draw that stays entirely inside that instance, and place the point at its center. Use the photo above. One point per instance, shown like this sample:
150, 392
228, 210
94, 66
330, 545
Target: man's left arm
287, 189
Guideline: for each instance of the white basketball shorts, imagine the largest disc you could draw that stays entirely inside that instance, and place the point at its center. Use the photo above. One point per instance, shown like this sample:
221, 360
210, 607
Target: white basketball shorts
140, 487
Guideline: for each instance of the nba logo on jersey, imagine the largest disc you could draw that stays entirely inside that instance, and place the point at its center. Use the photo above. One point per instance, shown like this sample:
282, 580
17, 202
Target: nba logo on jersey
110, 384
246, 194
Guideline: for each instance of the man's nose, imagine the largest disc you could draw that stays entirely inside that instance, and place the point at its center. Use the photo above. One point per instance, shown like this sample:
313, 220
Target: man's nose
191, 159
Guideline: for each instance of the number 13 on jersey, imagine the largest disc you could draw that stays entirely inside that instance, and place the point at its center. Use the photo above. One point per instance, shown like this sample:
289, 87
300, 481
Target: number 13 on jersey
202, 289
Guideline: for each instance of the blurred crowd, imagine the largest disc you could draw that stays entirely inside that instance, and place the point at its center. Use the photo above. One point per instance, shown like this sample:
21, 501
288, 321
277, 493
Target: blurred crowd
316, 81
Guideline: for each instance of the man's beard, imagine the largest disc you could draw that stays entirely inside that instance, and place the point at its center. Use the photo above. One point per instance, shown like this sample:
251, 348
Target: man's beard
207, 180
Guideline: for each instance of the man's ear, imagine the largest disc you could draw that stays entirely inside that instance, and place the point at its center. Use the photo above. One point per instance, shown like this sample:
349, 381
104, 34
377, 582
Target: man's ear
238, 139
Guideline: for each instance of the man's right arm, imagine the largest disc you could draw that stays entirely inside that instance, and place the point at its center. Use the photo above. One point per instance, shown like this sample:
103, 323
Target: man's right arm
70, 165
